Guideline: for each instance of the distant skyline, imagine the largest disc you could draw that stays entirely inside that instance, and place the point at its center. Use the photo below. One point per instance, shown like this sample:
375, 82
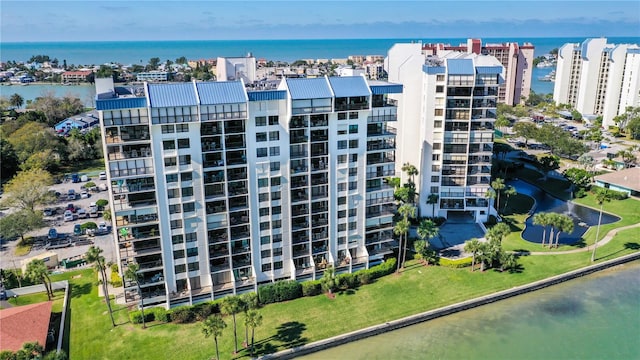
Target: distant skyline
91, 20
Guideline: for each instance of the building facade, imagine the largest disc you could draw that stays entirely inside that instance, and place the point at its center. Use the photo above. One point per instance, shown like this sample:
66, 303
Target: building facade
597, 78
445, 126
216, 189
516, 59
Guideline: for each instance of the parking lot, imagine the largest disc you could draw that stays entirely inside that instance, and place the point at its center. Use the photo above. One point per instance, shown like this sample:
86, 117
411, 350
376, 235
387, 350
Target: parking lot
79, 244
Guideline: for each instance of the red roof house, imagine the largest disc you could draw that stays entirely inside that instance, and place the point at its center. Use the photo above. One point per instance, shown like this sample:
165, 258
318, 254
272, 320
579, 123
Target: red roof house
22, 324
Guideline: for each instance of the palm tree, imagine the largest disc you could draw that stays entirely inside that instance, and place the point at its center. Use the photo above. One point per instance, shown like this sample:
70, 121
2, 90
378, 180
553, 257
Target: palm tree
411, 171
565, 224
483, 254
400, 229
37, 271
489, 195
508, 261
249, 301
132, 274
93, 256
16, 100
428, 254
498, 185
432, 200
602, 196
509, 192
473, 246
427, 229
231, 306
407, 211
498, 232
213, 326
328, 280
542, 219
253, 320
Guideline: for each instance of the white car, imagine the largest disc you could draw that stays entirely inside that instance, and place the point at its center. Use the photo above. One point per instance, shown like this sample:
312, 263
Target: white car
82, 214
84, 194
68, 215
102, 176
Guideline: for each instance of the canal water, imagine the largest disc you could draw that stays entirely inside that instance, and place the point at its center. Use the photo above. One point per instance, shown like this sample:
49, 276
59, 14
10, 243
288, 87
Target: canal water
547, 203
593, 317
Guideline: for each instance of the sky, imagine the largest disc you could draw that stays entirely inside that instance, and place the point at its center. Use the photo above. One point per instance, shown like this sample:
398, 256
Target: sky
92, 20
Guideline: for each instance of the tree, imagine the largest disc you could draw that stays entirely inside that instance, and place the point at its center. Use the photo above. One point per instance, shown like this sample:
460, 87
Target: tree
411, 171
602, 196
37, 271
580, 178
628, 157
253, 320
509, 192
623, 120
586, 161
427, 229
432, 200
548, 163
501, 122
29, 189
564, 224
132, 274
328, 280
428, 254
20, 223
498, 185
498, 232
16, 100
153, 63
249, 301
401, 228
213, 326
231, 306
407, 211
473, 246
508, 261
32, 138
483, 254
8, 159
543, 220
490, 194
106, 215
526, 130
93, 256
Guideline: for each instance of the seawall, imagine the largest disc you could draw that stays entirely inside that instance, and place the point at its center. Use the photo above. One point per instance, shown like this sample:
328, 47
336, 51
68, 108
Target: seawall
443, 311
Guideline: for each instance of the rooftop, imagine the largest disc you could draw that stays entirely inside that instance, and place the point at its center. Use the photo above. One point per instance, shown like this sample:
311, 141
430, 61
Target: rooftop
22, 324
627, 178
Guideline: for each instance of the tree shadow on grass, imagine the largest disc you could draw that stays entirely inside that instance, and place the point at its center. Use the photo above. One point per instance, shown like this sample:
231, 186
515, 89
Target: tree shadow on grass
79, 290
288, 334
627, 246
516, 269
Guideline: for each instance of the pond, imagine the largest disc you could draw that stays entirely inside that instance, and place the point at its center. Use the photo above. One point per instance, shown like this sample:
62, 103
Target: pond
583, 217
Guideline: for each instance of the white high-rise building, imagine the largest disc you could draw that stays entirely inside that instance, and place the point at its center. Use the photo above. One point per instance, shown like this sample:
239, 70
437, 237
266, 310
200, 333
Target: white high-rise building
597, 78
216, 189
445, 126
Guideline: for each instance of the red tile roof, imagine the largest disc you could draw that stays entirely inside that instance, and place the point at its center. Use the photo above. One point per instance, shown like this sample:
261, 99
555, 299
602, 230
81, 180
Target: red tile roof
22, 324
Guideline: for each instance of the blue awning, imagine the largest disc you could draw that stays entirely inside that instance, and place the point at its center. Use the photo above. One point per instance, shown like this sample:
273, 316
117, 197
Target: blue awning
317, 88
460, 67
221, 92
121, 103
489, 69
169, 95
386, 89
348, 86
432, 70
267, 95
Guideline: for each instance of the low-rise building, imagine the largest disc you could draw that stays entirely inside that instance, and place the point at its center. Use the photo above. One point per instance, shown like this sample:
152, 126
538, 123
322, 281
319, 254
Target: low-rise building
627, 181
76, 76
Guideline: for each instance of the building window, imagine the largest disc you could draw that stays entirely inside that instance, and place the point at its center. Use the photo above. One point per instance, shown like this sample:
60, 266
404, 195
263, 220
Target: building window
168, 129
342, 200
194, 266
261, 120
180, 269
265, 253
173, 193
437, 124
353, 129
342, 227
186, 176
276, 195
261, 152
277, 265
438, 112
277, 238
187, 191
353, 157
263, 182
274, 135
342, 144
174, 209
264, 240
439, 89
342, 159
435, 168
191, 237
353, 212
342, 214
342, 186
170, 161
353, 115
189, 207
168, 145
434, 189
353, 144
171, 178
264, 225
439, 77
276, 181
184, 159
435, 179
435, 157
437, 146
261, 136
353, 225
182, 127
273, 120
266, 267
178, 254
264, 211
192, 252
342, 240
275, 166
276, 224
263, 197
176, 224
342, 116
353, 185
276, 210
274, 151
277, 251
177, 239
183, 143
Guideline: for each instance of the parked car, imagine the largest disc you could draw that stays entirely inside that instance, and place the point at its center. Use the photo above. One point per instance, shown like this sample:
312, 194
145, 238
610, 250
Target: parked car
102, 226
77, 230
49, 212
68, 215
84, 194
103, 175
71, 208
84, 178
82, 214
93, 211
71, 194
103, 187
75, 178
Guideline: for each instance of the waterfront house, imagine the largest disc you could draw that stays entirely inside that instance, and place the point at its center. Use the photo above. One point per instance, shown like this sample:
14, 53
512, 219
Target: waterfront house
627, 180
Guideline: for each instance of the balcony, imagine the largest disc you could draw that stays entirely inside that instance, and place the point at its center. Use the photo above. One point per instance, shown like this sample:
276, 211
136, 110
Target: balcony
216, 207
380, 158
133, 185
452, 203
380, 174
236, 158
299, 195
126, 134
236, 174
378, 101
217, 236
319, 235
319, 120
147, 265
374, 131
212, 160
298, 122
380, 145
319, 164
220, 264
382, 210
298, 154
135, 219
351, 103
319, 179
300, 237
211, 144
234, 127
298, 181
382, 236
319, 220
234, 142
128, 152
300, 250
240, 232
211, 129
134, 200
219, 250
237, 203
240, 247
298, 210
237, 188
139, 233
319, 207
319, 135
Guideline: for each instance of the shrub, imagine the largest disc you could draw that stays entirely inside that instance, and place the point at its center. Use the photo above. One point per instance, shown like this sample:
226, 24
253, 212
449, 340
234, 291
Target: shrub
279, 291
89, 185
456, 264
160, 314
102, 203
114, 267
383, 269
90, 225
202, 311
311, 288
182, 315
116, 280
347, 281
364, 277
135, 316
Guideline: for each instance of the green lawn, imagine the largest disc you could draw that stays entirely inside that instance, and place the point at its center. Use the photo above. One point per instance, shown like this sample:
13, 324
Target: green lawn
87, 167
38, 298
304, 320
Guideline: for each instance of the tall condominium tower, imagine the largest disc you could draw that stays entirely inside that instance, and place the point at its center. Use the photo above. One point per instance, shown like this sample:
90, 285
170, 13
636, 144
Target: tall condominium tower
445, 126
597, 78
216, 189
516, 59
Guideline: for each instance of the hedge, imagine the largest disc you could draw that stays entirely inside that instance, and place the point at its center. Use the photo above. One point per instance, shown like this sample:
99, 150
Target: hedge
150, 314
456, 264
311, 288
279, 291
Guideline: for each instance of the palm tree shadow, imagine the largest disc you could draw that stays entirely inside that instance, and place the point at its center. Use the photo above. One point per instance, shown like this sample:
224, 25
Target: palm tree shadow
516, 269
288, 334
79, 290
627, 246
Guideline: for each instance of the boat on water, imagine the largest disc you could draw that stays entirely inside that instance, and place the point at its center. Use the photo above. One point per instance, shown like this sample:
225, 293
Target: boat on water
550, 77
545, 64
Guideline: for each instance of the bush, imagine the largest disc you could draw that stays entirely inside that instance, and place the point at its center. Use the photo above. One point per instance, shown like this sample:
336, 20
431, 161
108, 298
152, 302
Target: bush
102, 203
364, 277
456, 264
311, 288
160, 314
279, 291
89, 185
116, 280
90, 225
182, 315
136, 316
347, 281
202, 311
383, 269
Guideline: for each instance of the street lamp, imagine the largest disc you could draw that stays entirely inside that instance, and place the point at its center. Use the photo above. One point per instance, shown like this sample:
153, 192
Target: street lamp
15, 299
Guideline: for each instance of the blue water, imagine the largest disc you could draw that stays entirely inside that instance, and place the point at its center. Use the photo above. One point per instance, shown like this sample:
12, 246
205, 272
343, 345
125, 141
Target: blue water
548, 203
